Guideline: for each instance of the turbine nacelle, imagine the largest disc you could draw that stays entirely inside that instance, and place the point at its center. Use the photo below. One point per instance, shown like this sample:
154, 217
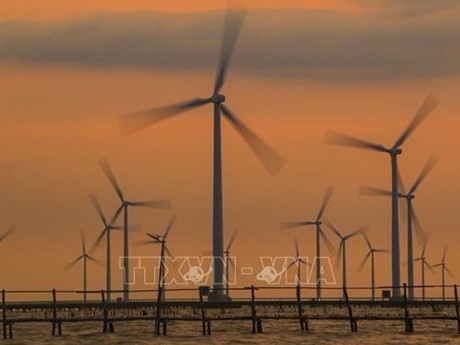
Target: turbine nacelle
218, 98
395, 151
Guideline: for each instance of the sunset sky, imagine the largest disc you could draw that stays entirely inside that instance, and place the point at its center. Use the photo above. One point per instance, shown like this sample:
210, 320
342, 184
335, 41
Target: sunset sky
361, 67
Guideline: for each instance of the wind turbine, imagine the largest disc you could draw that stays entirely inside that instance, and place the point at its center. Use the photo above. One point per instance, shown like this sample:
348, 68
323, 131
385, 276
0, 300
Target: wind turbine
161, 240
272, 161
108, 227
411, 216
84, 256
125, 204
343, 248
444, 269
430, 103
298, 262
319, 233
371, 254
423, 263
228, 262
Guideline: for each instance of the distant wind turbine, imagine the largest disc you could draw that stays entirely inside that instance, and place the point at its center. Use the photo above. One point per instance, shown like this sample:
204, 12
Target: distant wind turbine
125, 204
108, 227
228, 262
298, 262
164, 250
273, 162
7, 233
427, 107
411, 216
84, 256
319, 233
444, 269
343, 248
423, 263
371, 254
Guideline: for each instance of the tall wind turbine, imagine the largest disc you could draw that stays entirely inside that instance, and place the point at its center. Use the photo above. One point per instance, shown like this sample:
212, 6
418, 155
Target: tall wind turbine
125, 204
108, 227
228, 262
412, 219
371, 254
272, 161
84, 256
427, 107
444, 269
161, 240
343, 248
423, 263
319, 233
298, 262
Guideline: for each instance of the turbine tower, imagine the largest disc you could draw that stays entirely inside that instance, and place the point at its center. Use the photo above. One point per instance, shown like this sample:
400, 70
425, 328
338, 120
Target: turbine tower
394, 151
125, 205
319, 233
84, 256
444, 269
272, 161
108, 227
412, 219
343, 248
371, 254
298, 262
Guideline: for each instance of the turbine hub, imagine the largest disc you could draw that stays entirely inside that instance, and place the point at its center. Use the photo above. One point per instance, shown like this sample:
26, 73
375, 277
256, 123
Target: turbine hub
218, 98
395, 151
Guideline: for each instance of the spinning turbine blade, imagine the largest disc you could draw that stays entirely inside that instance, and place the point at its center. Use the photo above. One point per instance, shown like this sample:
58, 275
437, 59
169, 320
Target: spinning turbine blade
361, 230
136, 121
97, 261
168, 252
97, 207
71, 264
419, 233
361, 265
449, 272
104, 163
326, 199
170, 225
272, 160
430, 103
82, 240
233, 22
296, 246
8, 232
161, 204
326, 240
339, 254
367, 241
368, 190
444, 255
335, 138
432, 161
330, 226
291, 225
232, 239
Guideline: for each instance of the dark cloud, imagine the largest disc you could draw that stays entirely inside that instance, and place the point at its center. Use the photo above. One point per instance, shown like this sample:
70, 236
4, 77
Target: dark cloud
321, 45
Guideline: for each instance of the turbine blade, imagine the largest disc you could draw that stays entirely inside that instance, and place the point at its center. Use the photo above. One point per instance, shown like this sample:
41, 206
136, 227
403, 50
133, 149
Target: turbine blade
294, 262
327, 198
104, 164
382, 251
98, 241
172, 220
330, 226
97, 261
418, 229
430, 164
339, 255
424, 246
161, 204
335, 138
360, 231
367, 190
444, 254
232, 239
82, 240
367, 241
296, 246
233, 22
290, 225
72, 263
361, 265
169, 252
97, 207
417, 259
136, 121
115, 217
145, 242
449, 272
8, 232
401, 187
430, 103
271, 159
328, 243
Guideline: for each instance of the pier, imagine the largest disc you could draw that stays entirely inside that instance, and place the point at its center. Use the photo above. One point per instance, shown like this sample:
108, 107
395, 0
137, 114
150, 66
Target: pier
56, 309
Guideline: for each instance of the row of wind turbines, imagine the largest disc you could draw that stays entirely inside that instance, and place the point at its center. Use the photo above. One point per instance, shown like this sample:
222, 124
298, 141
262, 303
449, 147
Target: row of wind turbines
273, 162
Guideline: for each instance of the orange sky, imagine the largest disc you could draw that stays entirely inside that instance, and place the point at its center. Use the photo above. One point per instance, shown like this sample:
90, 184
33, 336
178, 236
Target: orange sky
58, 121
